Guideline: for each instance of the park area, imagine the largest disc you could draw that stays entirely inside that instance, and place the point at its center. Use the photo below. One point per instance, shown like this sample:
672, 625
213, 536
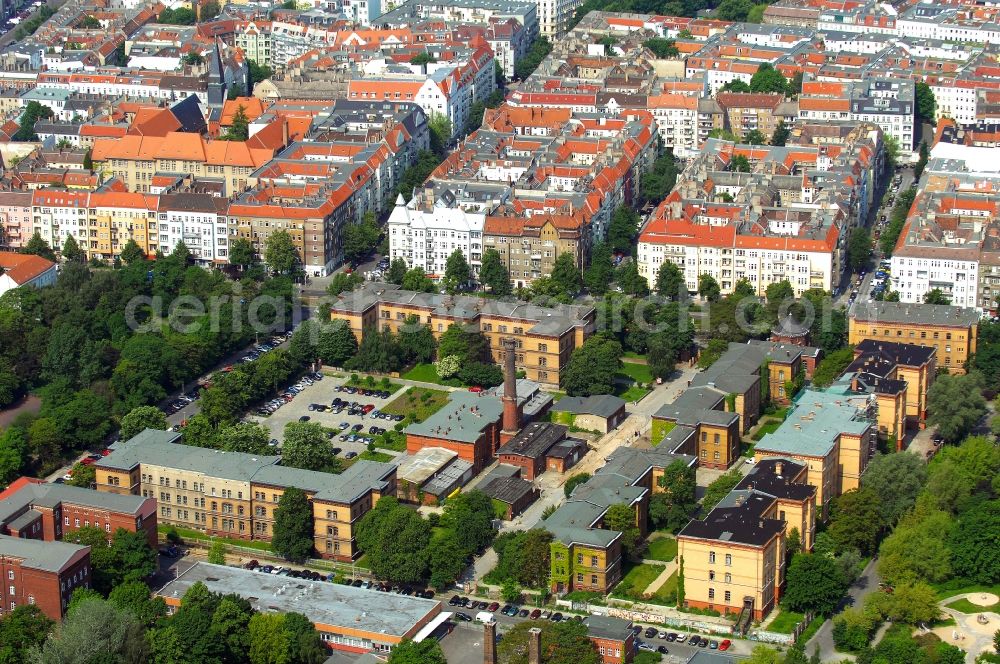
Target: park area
417, 402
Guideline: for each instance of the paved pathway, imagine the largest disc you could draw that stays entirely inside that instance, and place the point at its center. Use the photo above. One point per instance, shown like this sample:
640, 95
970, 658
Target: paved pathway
670, 568
823, 639
974, 638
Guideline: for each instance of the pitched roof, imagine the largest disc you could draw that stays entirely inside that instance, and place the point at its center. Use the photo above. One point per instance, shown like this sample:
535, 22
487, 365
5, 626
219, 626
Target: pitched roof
22, 268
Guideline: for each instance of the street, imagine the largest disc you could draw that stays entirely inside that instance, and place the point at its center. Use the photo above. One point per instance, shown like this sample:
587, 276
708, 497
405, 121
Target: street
866, 584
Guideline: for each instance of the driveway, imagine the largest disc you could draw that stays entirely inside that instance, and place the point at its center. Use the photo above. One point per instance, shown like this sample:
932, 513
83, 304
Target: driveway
866, 584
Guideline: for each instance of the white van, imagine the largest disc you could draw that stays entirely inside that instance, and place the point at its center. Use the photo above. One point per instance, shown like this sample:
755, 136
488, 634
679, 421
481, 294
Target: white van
484, 617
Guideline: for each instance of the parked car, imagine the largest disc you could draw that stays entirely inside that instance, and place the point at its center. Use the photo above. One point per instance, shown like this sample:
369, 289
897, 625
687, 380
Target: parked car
465, 617
556, 617
650, 633
724, 645
252, 564
662, 650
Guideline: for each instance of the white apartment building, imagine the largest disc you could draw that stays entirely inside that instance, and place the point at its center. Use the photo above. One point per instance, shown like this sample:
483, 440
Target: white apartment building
554, 16
198, 220
888, 102
913, 275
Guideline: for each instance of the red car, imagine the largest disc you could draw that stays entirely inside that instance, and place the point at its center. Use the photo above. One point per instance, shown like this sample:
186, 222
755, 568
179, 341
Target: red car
475, 388
534, 614
368, 408
725, 644
105, 452
493, 607
87, 461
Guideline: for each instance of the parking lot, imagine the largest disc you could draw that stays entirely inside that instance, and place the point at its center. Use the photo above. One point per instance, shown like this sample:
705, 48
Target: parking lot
346, 420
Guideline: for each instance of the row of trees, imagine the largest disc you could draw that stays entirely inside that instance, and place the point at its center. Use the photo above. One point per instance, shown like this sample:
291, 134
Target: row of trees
403, 547
73, 345
767, 79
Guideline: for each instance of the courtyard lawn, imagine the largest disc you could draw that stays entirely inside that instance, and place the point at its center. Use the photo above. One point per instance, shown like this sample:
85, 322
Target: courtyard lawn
954, 587
785, 621
631, 392
965, 606
375, 456
662, 548
187, 534
667, 593
640, 373
636, 580
415, 402
425, 373
769, 426
373, 383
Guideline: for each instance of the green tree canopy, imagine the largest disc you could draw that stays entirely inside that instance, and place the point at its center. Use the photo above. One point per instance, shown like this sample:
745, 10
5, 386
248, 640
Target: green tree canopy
814, 583
140, 418
293, 526
956, 404
562, 643
768, 79
280, 253
456, 272
395, 539
592, 367
494, 274
305, 446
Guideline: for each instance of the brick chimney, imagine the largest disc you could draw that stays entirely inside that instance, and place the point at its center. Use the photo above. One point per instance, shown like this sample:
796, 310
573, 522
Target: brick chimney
511, 409
490, 642
534, 646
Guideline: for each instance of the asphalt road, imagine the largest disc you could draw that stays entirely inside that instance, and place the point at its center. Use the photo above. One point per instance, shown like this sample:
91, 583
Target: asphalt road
866, 584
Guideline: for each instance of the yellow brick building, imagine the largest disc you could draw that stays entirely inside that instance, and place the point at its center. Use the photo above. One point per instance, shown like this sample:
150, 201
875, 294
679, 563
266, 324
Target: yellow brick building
234, 495
734, 559
545, 336
951, 331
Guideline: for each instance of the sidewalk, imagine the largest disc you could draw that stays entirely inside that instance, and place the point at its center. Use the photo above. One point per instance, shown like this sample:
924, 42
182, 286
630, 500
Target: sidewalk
670, 568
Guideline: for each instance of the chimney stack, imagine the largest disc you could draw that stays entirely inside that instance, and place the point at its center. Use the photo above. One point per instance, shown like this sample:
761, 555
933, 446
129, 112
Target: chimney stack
534, 646
511, 410
490, 642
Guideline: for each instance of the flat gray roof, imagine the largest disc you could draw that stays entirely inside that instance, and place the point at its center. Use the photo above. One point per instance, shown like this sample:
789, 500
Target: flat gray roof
161, 449
331, 604
462, 419
914, 313
603, 405
420, 467
38, 554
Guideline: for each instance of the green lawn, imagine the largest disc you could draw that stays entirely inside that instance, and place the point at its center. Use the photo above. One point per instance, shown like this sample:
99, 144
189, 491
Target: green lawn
811, 629
633, 393
637, 372
667, 593
785, 621
391, 440
362, 562
375, 456
769, 426
954, 587
425, 373
186, 534
373, 383
636, 581
965, 606
662, 548
414, 402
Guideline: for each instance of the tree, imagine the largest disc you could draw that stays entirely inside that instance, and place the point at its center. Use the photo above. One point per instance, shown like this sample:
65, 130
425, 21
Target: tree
986, 362
32, 113
897, 218
733, 10
630, 281
95, 631
573, 482
599, 274
416, 341
397, 270
779, 295
446, 559
719, 488
359, 240
239, 129
305, 446
84, 476
662, 354
897, 480
956, 405
242, 253
293, 526
22, 630
852, 629
426, 652
662, 48
562, 643
926, 103
71, 251
494, 274
39, 247
280, 253
670, 282
470, 516
441, 132
131, 253
395, 540
337, 344
245, 438
923, 155
217, 553
855, 521
975, 553
343, 282
141, 418
592, 367
456, 272
623, 229
781, 134
417, 280
468, 346
566, 274
911, 603
671, 508
814, 583
510, 591
708, 287
936, 296
755, 137
768, 79
740, 164
621, 517
735, 85
859, 248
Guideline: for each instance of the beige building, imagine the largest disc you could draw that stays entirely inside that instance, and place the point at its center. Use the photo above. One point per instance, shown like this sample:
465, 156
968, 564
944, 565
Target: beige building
529, 246
545, 336
734, 559
234, 495
951, 331
832, 434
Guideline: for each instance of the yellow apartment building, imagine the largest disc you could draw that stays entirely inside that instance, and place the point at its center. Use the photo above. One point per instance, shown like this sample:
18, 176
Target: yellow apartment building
951, 331
832, 434
734, 559
697, 423
234, 495
545, 336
